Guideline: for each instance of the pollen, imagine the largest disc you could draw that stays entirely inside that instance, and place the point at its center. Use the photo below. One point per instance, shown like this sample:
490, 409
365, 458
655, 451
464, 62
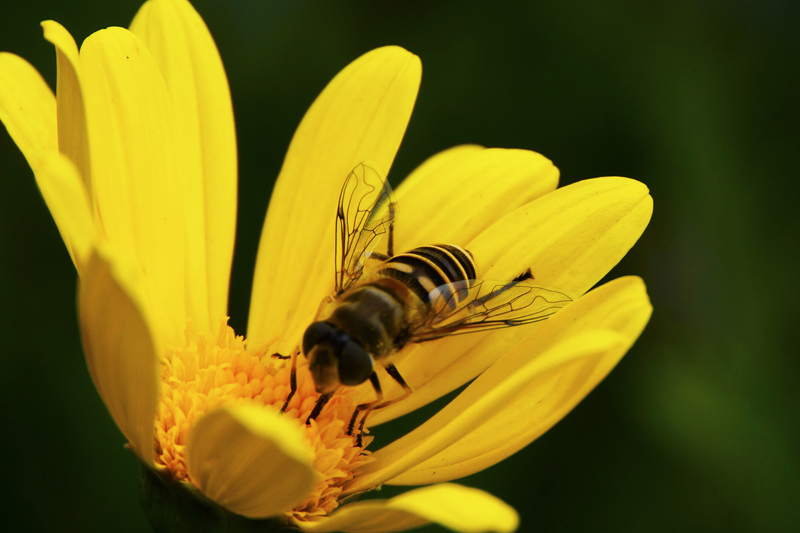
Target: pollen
210, 371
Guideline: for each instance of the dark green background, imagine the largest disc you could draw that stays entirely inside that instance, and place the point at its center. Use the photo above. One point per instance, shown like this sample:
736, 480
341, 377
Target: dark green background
696, 430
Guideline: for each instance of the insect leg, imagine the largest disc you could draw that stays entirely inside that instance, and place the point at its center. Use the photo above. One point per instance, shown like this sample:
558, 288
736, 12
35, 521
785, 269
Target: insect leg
525, 276
395, 375
500, 290
325, 301
292, 376
376, 384
390, 249
379, 256
392, 371
321, 401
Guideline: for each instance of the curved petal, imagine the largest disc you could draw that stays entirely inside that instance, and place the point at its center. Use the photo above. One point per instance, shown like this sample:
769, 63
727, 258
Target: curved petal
120, 349
361, 115
433, 369
27, 108
66, 198
138, 181
621, 306
569, 238
435, 164
462, 416
250, 460
73, 136
456, 195
455, 507
192, 68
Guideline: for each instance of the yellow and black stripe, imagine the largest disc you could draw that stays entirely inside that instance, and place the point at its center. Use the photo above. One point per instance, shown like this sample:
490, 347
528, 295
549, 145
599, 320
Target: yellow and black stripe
427, 268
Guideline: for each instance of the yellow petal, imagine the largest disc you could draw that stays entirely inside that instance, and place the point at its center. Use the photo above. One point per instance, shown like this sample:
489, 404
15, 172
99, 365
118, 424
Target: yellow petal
478, 184
456, 195
436, 368
250, 460
361, 115
437, 163
462, 416
138, 183
620, 306
190, 63
73, 137
27, 108
66, 198
119, 347
455, 507
569, 238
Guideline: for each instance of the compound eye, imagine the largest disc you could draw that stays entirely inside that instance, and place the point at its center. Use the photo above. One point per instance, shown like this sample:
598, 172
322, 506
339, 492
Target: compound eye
316, 333
355, 364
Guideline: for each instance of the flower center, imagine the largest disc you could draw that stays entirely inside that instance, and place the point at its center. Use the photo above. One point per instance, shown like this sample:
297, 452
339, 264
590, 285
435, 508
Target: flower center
210, 371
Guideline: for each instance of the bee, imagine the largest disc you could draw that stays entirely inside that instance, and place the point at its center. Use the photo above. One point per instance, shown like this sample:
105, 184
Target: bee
413, 297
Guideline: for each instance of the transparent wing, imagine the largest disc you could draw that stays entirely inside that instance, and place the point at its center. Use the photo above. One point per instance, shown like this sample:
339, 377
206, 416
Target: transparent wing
475, 305
365, 213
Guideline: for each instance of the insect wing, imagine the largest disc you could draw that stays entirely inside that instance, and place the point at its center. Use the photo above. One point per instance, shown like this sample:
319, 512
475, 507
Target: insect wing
479, 305
365, 212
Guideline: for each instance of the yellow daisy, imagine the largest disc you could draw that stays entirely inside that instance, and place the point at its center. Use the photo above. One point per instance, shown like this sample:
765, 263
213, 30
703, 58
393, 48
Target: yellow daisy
135, 156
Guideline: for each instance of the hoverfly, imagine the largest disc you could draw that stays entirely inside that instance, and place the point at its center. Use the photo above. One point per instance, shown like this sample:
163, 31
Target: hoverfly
413, 297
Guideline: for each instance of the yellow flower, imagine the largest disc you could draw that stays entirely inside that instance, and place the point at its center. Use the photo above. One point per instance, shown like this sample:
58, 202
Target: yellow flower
136, 159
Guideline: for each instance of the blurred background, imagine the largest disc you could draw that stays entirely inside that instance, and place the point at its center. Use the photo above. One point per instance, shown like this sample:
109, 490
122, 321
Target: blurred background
696, 430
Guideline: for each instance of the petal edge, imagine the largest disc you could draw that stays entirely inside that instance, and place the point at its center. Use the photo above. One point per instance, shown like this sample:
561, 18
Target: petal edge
456, 507
120, 351
250, 460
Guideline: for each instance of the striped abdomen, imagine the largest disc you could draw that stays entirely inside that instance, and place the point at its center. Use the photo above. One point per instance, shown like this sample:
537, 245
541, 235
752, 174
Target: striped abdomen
425, 268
